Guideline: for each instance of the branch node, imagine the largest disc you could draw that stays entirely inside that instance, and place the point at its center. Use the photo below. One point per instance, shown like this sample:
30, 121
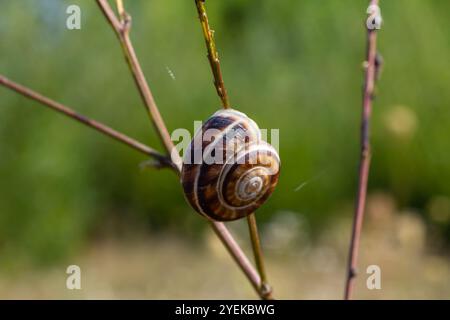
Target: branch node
352, 273
379, 62
365, 65
153, 164
126, 23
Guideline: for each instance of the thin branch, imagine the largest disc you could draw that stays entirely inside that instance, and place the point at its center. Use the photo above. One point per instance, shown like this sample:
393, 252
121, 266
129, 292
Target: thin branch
237, 253
110, 16
213, 55
264, 288
122, 31
121, 10
365, 156
162, 160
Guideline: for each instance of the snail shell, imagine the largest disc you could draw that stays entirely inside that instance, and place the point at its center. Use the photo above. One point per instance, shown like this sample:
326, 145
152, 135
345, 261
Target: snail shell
228, 171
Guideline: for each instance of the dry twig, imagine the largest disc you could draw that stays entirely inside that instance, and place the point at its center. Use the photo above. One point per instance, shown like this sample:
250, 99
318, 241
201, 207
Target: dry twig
122, 30
162, 160
213, 55
264, 289
369, 85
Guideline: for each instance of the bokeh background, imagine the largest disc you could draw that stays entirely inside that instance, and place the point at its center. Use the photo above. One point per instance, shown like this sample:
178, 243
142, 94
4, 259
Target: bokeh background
71, 196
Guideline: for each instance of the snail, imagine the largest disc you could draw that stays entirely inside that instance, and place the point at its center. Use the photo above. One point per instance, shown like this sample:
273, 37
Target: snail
228, 171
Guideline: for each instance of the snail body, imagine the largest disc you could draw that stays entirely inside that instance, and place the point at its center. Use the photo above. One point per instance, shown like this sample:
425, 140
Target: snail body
228, 171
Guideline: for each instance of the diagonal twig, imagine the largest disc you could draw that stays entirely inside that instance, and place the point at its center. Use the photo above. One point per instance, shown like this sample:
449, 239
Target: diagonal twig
236, 252
365, 155
122, 31
163, 161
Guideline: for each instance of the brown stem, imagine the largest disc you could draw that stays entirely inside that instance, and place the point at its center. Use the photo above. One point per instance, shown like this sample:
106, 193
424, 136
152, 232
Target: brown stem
122, 31
213, 55
163, 161
238, 255
369, 85
264, 288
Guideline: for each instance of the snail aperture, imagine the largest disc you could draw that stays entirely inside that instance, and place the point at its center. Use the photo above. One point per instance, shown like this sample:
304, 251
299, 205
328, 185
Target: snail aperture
228, 171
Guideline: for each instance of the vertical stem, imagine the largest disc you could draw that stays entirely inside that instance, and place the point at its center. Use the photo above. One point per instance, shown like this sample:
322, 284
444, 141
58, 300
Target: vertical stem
121, 11
264, 288
365, 156
213, 55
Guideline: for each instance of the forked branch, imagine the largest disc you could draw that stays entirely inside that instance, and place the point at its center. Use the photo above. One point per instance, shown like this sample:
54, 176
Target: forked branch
365, 155
122, 28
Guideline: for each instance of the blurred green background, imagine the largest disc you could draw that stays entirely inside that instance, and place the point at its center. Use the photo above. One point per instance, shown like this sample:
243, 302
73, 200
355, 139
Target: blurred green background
293, 65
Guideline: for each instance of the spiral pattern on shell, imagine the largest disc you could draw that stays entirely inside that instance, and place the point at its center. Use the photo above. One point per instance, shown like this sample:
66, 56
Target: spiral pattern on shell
228, 171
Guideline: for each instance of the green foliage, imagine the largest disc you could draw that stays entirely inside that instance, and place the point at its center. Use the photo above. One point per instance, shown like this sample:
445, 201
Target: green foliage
293, 65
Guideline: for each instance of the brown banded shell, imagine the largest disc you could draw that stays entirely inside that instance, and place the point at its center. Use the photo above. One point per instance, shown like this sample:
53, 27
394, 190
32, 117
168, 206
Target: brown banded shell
228, 171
